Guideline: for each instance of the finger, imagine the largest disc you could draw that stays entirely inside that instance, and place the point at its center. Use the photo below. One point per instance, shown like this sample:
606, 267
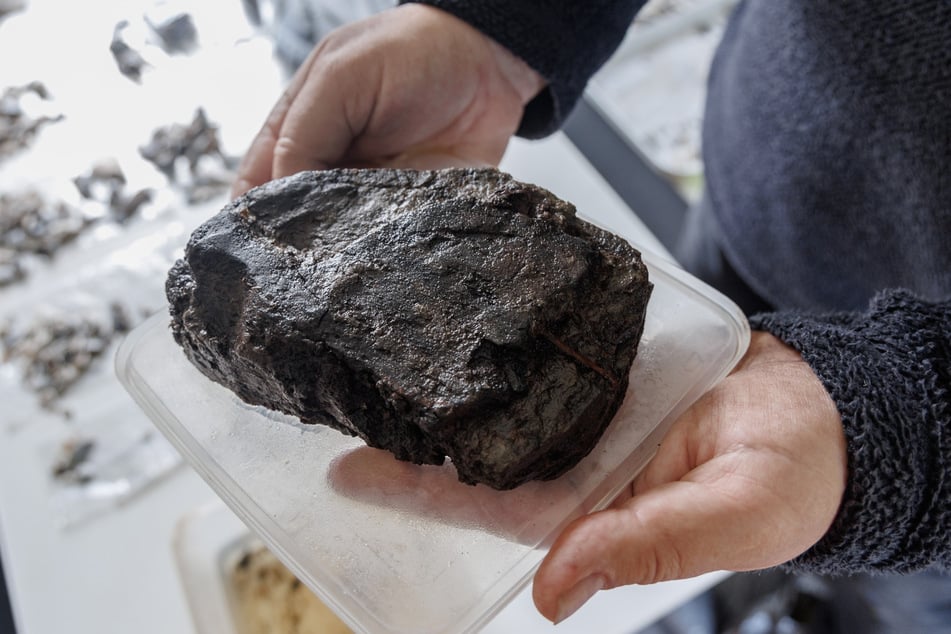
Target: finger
671, 462
331, 104
317, 131
679, 451
675, 530
255, 167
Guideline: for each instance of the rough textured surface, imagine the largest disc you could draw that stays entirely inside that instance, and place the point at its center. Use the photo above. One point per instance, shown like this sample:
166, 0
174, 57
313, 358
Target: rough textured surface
453, 313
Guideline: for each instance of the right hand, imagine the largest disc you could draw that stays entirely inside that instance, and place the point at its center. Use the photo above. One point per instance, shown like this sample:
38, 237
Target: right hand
751, 476
410, 87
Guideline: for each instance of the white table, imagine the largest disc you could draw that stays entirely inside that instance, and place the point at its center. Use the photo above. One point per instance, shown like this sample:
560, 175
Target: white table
116, 573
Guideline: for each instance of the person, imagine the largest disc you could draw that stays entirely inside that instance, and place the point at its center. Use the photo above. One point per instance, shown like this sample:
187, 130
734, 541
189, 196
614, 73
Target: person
826, 144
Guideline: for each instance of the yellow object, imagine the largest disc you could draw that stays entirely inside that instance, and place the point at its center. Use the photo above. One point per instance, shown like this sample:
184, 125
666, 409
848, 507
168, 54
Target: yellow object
271, 600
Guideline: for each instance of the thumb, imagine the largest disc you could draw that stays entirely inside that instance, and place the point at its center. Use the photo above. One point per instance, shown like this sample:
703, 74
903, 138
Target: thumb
676, 530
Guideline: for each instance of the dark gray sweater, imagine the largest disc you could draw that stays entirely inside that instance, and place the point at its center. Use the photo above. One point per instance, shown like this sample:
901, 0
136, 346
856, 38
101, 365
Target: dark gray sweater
827, 145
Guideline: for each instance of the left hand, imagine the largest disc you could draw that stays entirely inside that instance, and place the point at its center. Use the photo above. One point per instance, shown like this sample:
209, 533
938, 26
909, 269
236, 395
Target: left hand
749, 477
412, 87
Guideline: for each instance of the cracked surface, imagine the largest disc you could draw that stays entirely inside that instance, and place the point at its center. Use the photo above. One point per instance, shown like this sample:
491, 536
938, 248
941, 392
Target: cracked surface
454, 313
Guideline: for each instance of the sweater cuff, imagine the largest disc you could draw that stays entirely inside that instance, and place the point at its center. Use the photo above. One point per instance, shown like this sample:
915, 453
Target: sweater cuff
889, 373
564, 42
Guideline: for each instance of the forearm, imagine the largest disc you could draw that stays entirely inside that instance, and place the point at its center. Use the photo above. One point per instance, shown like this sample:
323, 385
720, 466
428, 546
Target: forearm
889, 373
565, 44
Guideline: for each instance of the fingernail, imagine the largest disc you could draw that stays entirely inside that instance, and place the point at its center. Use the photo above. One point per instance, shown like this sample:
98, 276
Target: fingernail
569, 602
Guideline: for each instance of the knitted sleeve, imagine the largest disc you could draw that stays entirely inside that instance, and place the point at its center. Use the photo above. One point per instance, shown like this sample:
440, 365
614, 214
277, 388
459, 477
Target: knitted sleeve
889, 373
565, 42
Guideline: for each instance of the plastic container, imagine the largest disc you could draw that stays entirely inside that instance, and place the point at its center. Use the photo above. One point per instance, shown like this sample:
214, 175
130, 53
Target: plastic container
208, 545
398, 548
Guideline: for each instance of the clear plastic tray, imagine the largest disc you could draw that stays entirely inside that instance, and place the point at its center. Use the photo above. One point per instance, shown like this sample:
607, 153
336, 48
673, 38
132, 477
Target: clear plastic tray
206, 544
398, 548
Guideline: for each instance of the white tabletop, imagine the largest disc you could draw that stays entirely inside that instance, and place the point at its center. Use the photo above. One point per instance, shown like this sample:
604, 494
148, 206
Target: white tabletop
116, 572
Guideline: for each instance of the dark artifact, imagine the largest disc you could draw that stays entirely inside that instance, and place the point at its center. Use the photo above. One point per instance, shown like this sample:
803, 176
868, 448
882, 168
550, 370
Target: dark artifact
33, 227
130, 61
105, 183
17, 127
175, 31
9, 7
101, 181
455, 313
74, 455
55, 352
196, 146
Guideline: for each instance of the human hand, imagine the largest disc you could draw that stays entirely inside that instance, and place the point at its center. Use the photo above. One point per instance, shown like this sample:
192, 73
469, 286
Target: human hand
749, 477
410, 87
